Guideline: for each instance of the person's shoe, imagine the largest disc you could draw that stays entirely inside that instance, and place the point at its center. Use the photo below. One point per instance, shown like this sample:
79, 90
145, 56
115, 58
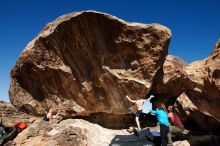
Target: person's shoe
130, 130
135, 132
186, 131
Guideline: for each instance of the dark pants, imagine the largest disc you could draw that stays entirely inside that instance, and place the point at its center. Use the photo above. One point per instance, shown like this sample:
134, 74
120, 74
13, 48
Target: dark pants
163, 134
175, 130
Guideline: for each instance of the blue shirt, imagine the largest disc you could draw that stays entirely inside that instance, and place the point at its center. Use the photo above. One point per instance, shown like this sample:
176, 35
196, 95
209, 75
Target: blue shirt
162, 116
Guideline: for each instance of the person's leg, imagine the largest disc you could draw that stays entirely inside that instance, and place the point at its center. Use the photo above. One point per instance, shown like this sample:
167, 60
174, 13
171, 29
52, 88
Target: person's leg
169, 136
166, 131
163, 134
178, 131
138, 123
137, 120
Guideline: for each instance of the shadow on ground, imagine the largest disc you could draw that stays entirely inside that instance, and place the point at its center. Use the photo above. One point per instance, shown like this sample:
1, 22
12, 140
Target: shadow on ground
204, 140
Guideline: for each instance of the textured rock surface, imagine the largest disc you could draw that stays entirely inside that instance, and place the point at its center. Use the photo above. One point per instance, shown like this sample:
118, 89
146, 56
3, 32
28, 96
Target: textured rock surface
168, 82
202, 86
197, 84
76, 132
68, 132
10, 115
181, 143
86, 63
194, 117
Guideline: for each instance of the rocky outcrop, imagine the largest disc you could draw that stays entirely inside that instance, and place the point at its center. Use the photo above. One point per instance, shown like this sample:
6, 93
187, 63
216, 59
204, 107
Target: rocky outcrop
76, 132
168, 83
195, 118
68, 132
10, 115
86, 63
204, 83
194, 88
202, 91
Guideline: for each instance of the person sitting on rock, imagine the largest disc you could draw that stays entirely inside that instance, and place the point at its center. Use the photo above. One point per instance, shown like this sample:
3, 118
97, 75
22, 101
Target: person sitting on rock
49, 116
177, 126
162, 117
139, 106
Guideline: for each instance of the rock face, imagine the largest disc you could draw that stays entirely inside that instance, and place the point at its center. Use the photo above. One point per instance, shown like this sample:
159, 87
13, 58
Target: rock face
194, 88
10, 115
168, 82
76, 132
204, 83
203, 90
87, 62
68, 132
194, 117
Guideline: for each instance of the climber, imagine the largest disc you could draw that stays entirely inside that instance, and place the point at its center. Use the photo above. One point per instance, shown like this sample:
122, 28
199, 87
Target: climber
49, 116
162, 117
139, 106
177, 127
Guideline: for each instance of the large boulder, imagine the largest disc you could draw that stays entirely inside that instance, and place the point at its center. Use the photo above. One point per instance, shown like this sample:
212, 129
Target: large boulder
72, 132
169, 82
77, 132
197, 83
86, 62
193, 117
203, 84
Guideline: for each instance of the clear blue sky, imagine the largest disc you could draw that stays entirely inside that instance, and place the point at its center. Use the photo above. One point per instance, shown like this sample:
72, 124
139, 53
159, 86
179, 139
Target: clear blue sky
195, 24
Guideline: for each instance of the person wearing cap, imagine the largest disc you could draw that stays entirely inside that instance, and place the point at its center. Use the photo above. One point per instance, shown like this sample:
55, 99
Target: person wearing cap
139, 106
177, 126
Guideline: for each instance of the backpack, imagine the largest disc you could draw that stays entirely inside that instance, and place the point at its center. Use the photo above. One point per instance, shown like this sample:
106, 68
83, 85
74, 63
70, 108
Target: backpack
21, 125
